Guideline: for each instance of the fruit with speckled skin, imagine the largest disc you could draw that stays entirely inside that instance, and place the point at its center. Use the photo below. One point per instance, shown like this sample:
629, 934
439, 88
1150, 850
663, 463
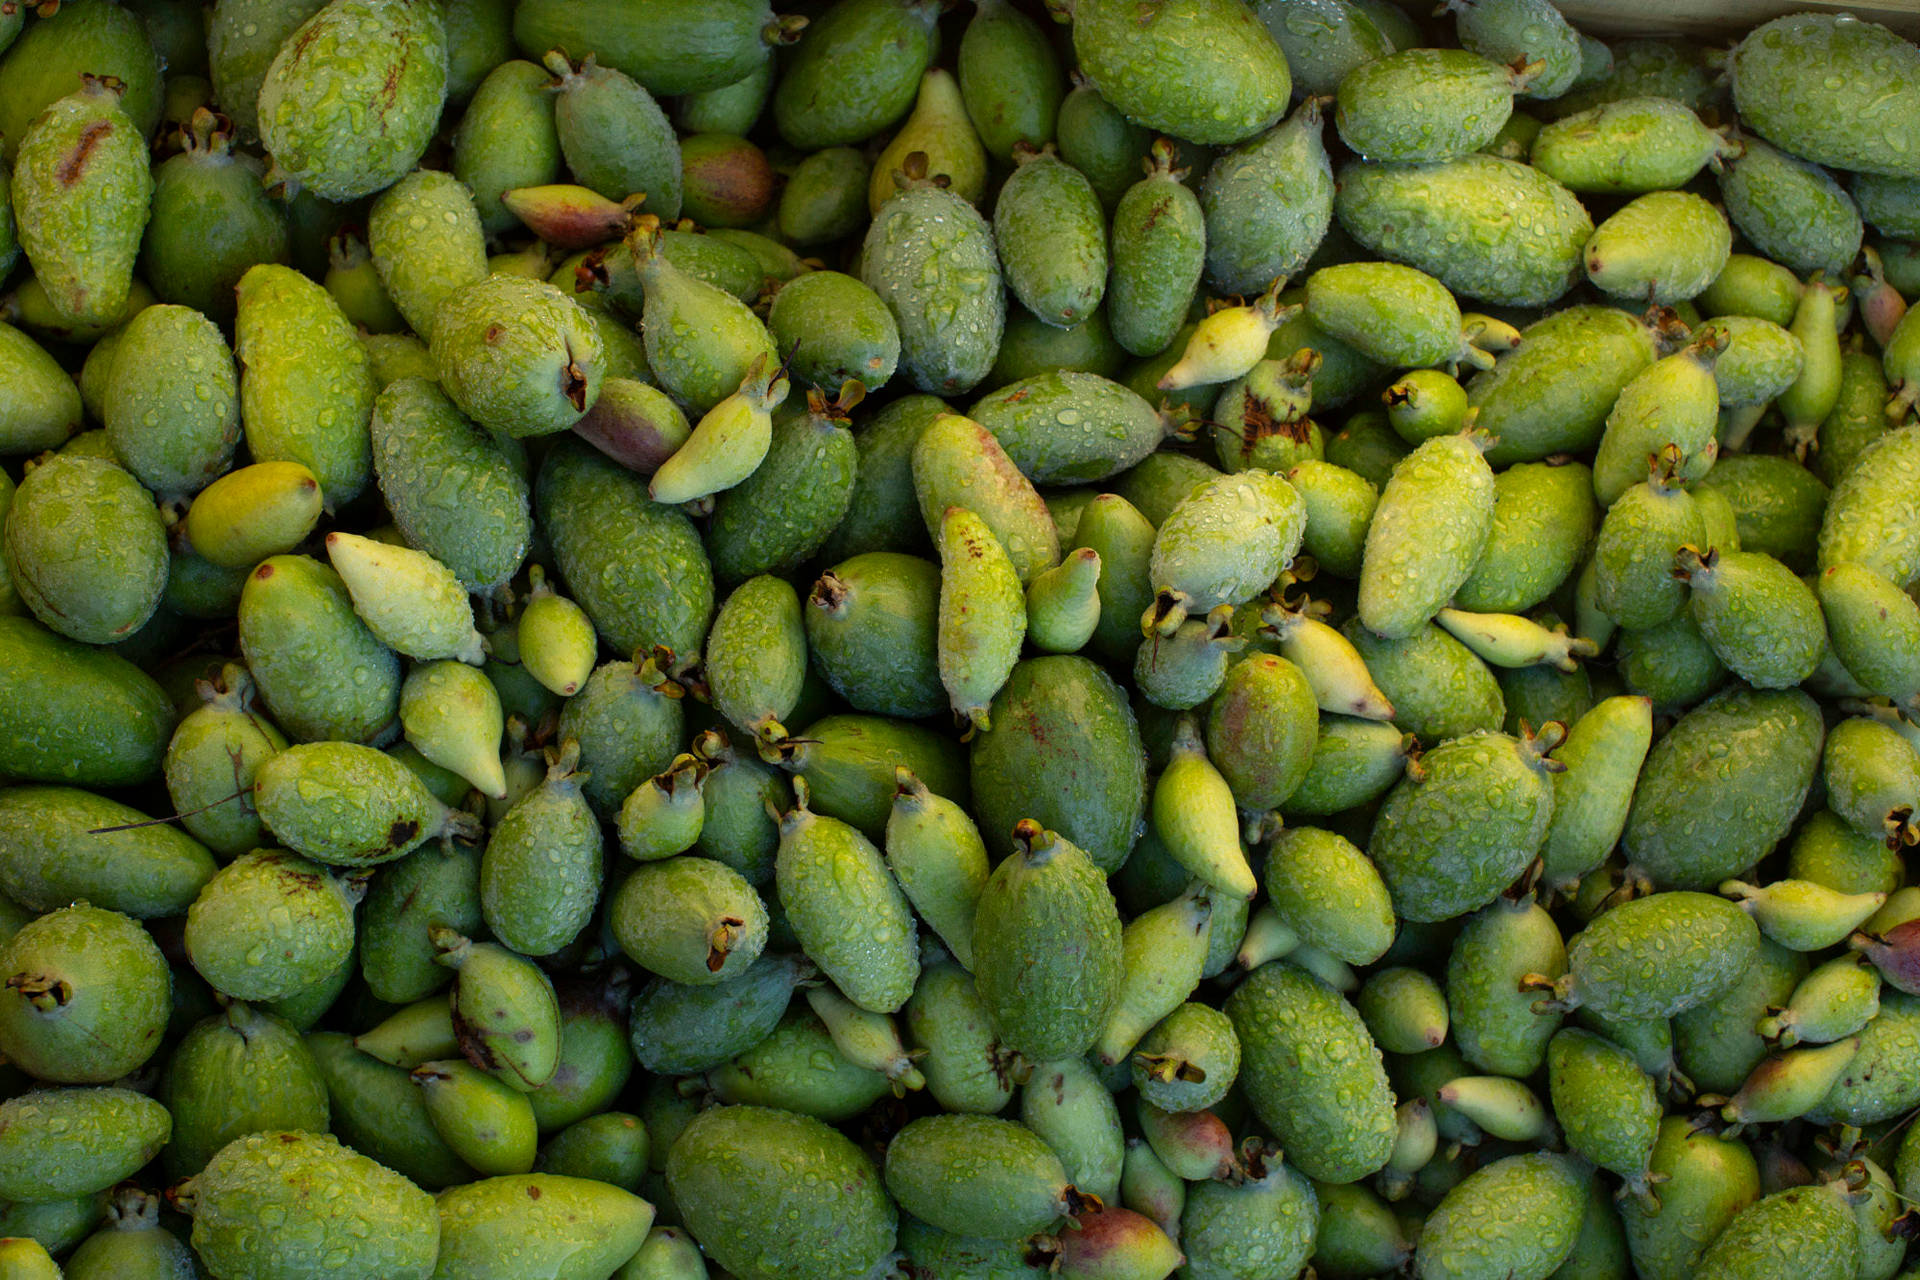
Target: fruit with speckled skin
211, 220
270, 924
1204, 70
930, 256
958, 462
40, 406
1790, 210
86, 998
1514, 1219
46, 62
1606, 1104
1858, 113
1872, 515
1158, 250
1758, 616
426, 240
538, 1226
1426, 536
776, 518
976, 1174
1673, 402
1661, 247
351, 99
1629, 145
846, 908
855, 72
56, 1144
1268, 204
1702, 943
75, 713
1552, 393
1069, 426
1803, 1231
348, 805
834, 328
1492, 1019
1422, 105
872, 625
424, 452
518, 356
242, 38
240, 1071
614, 136
1264, 1224
339, 1210
67, 502
1543, 527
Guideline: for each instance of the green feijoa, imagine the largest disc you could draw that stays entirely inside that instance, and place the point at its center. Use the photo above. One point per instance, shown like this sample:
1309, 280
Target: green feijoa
1518, 1216
1261, 728
1267, 1218
1424, 104
636, 567
274, 900
1159, 243
424, 451
1326, 891
506, 140
1670, 663
1602, 757
354, 283
596, 1057
689, 919
845, 907
1755, 287
663, 45
1674, 402
132, 1244
1009, 1185
1426, 535
958, 462
871, 625
1790, 210
1552, 393
1162, 481
376, 52
939, 130
40, 407
1874, 628
408, 599
1440, 218
1188, 1061
1340, 505
1095, 138
1094, 795
849, 763
1762, 360
797, 1068
211, 761
1858, 418
1702, 945
1240, 73
1709, 1180
68, 501
52, 1224
211, 220
1543, 525
437, 884
611, 1147
965, 1063
1529, 31
1405, 1010
479, 37
517, 355
306, 389
238, 1072
834, 328
1867, 514
1872, 777
378, 1111
740, 1176
488, 1125
1634, 548
80, 198
51, 854
935, 851
825, 198
75, 713
87, 998
579, 1227
1181, 671
253, 512
1267, 204
56, 1144
756, 659
1777, 503
1606, 1104
1031, 347
629, 721
1312, 1073
1069, 427
942, 1253
1665, 246
1723, 786
376, 1221
392, 356
780, 515
740, 796
349, 805
1493, 1020
881, 515
426, 240
540, 874
1111, 527
1438, 687
734, 107
1393, 314
1801, 1231
930, 257
1052, 237
1539, 694
854, 73
1204, 558
1805, 114
504, 1010
1009, 79
1761, 620
43, 65
1628, 145
1879, 1082
1354, 762
1828, 851
679, 1029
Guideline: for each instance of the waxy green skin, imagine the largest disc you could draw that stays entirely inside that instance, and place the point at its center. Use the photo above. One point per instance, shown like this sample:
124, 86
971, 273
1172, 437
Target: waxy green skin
1870, 516
67, 502
689, 919
131, 1245
1879, 1082
1602, 754
346, 805
1760, 619
342, 1210
855, 72
1009, 79
1709, 1180
1874, 628
1777, 505
1803, 1231
872, 626
836, 328
506, 140
616, 139
306, 388
80, 224
239, 1072
1717, 1042
1552, 393
242, 39
682, 1029
1723, 786
611, 1147
1423, 105
848, 912
424, 451
1633, 553
1202, 70
1052, 237
880, 515
57, 1144
321, 672
1159, 249
1663, 247
47, 60
1603, 1100
780, 515
1325, 890
1227, 541
116, 1004
41, 406
1829, 852
958, 462
798, 1068
1392, 314
1312, 1073
1354, 761
1543, 527
1791, 211
1194, 1034
1629, 145
978, 1174
1762, 360
380, 1112
277, 901
1426, 535
849, 763
1517, 1217
216, 750
1489, 229
538, 1225
950, 329
1858, 114
967, 1067
1260, 730
665, 46
211, 220
1070, 427
433, 886
1872, 777
1260, 1226
517, 355
426, 240
1673, 402
636, 567
1491, 1019
73, 713
50, 856
941, 1253
756, 657
540, 874
701, 341
983, 616
1267, 204
1438, 687
1340, 504
1703, 944
388, 53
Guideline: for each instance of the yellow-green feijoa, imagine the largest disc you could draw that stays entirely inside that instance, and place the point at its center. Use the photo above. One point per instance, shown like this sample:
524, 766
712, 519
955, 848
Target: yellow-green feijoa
66, 502
1516, 1217
1709, 1179
872, 625
1052, 237
977, 1174
132, 1244
1807, 114
799, 1068
1340, 504
1163, 955
486, 1123
254, 512
411, 601
1234, 82
1329, 893
1663, 247
424, 451
846, 908
1353, 762
1607, 1106
1777, 506
1874, 627
1868, 517
1602, 757
172, 409
322, 673
541, 871
556, 639
930, 256
701, 341
1543, 527
376, 1221
958, 462
1552, 393
40, 407
1158, 250
1674, 401
541, 1226
756, 658
1426, 535
1872, 776
1420, 105
983, 616
935, 851
352, 98
611, 1147
506, 140
518, 356
57, 1144
663, 816
278, 903
1203, 559
504, 1010
1195, 818
212, 760
450, 713
86, 999
1629, 145
426, 240
689, 919
1704, 942
1069, 426
1632, 563
1759, 617
240, 1071
81, 187
306, 387
941, 129
1799, 1231
1260, 731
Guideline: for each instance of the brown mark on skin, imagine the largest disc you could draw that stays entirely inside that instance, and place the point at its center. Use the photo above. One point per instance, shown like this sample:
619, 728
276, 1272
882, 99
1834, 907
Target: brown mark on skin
264, 572
494, 333
533, 1193
75, 162
573, 384
402, 832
